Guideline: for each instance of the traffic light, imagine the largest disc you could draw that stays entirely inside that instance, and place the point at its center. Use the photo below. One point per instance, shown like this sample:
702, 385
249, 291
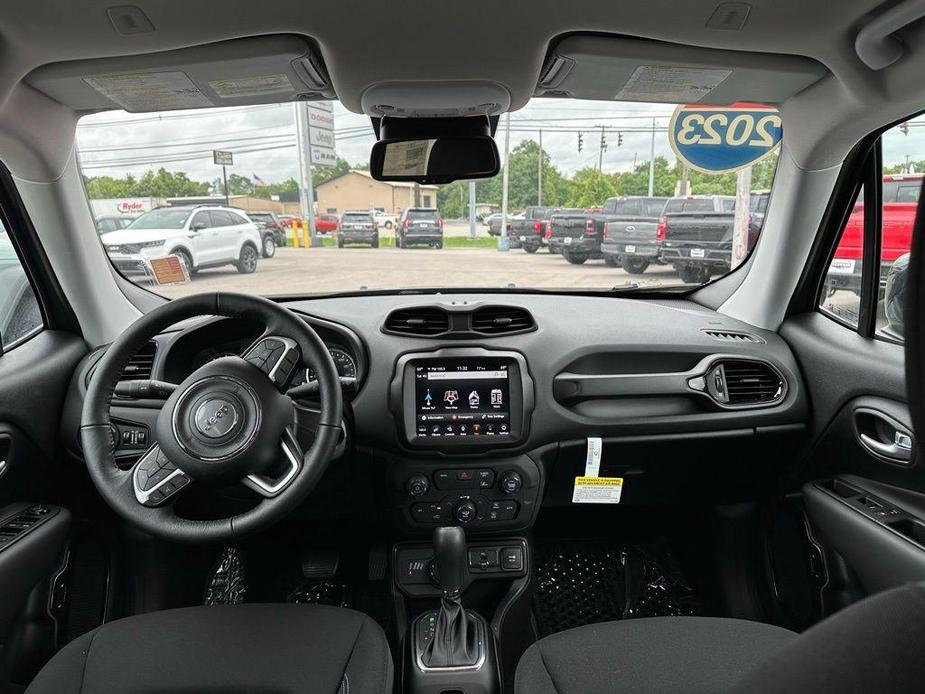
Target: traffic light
619, 139
904, 128
579, 142
603, 140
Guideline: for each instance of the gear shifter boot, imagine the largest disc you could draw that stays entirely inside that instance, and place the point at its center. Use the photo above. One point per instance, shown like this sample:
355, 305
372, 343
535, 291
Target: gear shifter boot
455, 638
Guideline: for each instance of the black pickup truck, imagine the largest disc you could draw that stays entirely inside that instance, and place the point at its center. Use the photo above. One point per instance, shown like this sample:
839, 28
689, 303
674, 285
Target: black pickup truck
698, 242
578, 236
527, 231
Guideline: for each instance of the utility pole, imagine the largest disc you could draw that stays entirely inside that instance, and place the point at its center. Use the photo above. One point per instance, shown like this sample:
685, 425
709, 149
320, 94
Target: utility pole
741, 216
652, 163
685, 176
472, 209
503, 241
228, 204
539, 172
600, 154
306, 191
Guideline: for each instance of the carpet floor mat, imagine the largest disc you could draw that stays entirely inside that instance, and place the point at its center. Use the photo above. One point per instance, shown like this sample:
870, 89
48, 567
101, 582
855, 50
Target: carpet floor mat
584, 581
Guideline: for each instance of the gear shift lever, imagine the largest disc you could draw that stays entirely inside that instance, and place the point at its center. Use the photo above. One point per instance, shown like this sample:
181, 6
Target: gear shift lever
450, 555
455, 640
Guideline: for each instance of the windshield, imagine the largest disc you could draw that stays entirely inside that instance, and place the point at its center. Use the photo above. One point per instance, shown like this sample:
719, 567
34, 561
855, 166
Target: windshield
592, 196
161, 219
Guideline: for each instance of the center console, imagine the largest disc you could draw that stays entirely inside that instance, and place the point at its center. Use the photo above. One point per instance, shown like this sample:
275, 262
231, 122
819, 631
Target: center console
459, 409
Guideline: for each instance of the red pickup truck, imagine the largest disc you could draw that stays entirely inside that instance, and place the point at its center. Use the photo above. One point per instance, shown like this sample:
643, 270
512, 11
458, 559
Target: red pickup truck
900, 201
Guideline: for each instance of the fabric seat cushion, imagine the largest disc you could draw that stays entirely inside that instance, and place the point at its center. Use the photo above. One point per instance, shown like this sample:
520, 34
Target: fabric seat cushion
256, 649
659, 655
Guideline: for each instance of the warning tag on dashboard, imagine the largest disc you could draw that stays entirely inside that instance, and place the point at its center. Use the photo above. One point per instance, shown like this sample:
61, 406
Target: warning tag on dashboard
597, 490
592, 489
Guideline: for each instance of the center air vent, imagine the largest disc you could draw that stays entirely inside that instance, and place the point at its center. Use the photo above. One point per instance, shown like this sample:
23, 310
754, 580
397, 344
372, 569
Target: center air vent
501, 320
736, 382
733, 336
426, 321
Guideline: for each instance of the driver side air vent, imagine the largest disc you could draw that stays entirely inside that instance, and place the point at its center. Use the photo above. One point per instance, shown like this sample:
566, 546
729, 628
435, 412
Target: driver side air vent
743, 382
502, 320
139, 367
425, 321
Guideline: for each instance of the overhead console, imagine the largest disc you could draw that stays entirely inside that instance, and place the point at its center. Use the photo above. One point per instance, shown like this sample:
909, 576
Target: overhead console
462, 397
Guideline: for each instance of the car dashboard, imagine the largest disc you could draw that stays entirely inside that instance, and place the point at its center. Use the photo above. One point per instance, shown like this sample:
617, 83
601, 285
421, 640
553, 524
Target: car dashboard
480, 408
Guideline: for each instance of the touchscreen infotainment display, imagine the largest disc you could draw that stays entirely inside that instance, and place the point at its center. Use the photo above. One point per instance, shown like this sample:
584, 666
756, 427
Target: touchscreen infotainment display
462, 398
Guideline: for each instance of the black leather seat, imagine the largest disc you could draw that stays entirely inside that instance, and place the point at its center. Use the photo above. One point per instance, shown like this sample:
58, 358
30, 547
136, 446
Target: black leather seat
227, 649
872, 646
659, 655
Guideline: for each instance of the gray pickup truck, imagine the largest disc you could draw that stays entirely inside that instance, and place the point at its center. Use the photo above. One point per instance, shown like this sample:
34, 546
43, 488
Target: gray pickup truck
698, 241
578, 236
635, 245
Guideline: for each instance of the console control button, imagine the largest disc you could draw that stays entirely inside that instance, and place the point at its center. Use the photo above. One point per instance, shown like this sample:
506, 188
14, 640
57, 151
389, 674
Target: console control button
465, 511
483, 558
465, 478
418, 485
512, 558
428, 513
511, 482
505, 509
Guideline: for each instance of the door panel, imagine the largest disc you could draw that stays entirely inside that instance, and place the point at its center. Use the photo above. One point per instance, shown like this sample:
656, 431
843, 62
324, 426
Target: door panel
33, 530
863, 479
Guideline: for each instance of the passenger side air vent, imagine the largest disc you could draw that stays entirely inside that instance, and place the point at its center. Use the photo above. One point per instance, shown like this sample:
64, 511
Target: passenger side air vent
424, 321
733, 336
501, 320
139, 367
739, 383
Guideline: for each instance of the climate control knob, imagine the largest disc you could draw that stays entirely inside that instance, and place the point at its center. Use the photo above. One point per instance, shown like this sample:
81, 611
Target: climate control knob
465, 511
511, 482
417, 485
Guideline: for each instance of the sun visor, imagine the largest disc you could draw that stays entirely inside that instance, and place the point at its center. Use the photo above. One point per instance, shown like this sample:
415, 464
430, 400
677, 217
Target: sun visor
248, 71
627, 69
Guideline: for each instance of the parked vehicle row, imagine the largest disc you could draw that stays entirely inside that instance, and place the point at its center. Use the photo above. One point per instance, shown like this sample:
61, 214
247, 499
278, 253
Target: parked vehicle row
693, 233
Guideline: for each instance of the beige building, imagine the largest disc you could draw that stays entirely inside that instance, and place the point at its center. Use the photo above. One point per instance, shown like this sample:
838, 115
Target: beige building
357, 190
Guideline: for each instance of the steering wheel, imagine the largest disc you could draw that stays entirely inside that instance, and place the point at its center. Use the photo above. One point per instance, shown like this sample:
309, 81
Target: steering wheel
228, 421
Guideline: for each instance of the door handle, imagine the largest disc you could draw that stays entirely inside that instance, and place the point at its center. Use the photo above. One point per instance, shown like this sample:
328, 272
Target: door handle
883, 436
900, 449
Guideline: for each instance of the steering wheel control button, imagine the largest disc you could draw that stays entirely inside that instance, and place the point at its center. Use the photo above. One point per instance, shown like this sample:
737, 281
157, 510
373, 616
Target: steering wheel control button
217, 417
511, 482
277, 357
156, 479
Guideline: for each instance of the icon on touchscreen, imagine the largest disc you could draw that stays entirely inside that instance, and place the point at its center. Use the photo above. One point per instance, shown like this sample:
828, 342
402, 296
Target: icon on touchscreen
450, 397
496, 397
474, 399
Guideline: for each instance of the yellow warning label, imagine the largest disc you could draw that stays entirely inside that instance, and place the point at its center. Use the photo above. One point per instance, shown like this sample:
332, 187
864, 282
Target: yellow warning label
597, 490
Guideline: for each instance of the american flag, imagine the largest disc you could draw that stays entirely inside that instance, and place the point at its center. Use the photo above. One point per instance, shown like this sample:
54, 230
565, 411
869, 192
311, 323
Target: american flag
257, 181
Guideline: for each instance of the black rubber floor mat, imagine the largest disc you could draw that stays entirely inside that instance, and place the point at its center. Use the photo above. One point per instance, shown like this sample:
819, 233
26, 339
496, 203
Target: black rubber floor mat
583, 582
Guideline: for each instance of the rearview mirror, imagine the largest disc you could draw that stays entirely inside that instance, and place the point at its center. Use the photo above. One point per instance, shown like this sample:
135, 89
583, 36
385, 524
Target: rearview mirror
434, 150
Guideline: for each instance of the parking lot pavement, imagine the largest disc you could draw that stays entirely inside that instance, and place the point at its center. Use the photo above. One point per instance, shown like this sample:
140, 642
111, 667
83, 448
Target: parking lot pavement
318, 270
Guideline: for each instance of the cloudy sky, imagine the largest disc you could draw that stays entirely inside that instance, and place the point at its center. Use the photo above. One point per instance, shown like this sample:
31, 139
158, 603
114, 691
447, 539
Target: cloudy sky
262, 138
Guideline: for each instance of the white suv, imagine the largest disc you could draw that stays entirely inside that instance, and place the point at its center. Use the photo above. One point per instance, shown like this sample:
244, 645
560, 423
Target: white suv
202, 236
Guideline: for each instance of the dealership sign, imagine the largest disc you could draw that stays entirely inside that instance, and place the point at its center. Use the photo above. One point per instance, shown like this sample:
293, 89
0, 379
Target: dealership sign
132, 207
321, 133
720, 139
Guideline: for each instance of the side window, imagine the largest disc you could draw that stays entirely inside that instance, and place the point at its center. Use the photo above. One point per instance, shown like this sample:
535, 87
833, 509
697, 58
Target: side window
201, 220
729, 205
841, 292
20, 313
865, 287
